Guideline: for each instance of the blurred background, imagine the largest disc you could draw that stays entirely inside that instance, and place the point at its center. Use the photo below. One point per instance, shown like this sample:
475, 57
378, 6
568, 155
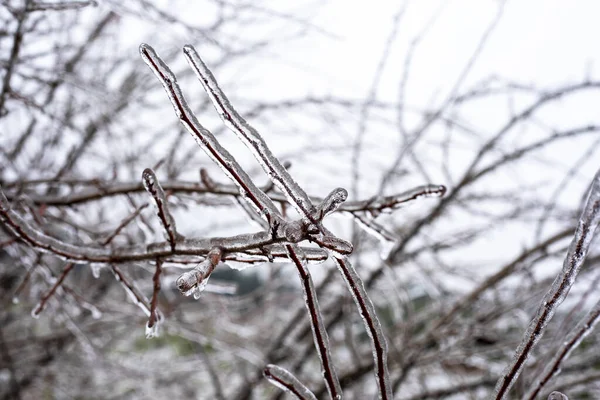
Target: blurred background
496, 100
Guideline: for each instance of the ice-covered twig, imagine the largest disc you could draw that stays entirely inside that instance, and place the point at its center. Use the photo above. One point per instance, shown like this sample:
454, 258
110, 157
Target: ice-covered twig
380, 204
278, 174
332, 202
246, 243
320, 336
134, 294
590, 217
95, 190
247, 134
570, 343
154, 319
153, 187
44, 300
205, 138
194, 281
60, 5
284, 379
367, 312
123, 224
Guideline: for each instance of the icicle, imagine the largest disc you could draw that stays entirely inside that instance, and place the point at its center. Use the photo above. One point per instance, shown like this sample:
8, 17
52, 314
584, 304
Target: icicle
152, 331
96, 269
194, 281
35, 313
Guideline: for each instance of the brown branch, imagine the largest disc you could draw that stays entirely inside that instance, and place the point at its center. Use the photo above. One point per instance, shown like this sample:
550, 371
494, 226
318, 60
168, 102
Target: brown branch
44, 300
153, 187
154, 319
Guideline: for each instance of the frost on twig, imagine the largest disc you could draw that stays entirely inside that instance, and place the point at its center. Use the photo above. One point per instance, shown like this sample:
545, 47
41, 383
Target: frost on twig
588, 222
286, 381
570, 343
153, 187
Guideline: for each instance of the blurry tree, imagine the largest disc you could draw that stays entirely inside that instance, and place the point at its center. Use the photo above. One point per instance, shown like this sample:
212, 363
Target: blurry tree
108, 208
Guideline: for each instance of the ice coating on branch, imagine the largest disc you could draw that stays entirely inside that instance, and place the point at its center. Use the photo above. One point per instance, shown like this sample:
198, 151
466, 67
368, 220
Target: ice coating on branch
194, 281
570, 343
153, 187
382, 204
372, 324
36, 311
38, 239
132, 292
205, 139
386, 239
156, 64
152, 331
96, 268
332, 202
339, 247
588, 222
320, 336
247, 134
287, 382
557, 396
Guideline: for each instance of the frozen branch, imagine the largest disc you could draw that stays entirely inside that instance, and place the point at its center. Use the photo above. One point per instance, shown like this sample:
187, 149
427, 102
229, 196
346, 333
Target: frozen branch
247, 134
367, 312
570, 343
153, 187
284, 380
590, 217
380, 204
320, 336
294, 232
557, 396
60, 5
194, 281
154, 319
250, 247
205, 138
44, 300
132, 291
373, 206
